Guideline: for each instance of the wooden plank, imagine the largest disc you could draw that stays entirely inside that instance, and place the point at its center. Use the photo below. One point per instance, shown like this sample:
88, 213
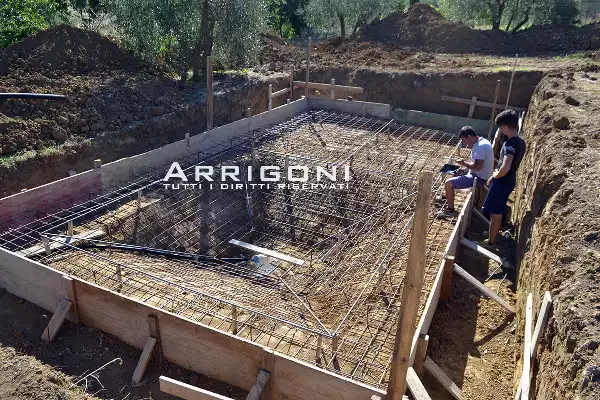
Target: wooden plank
261, 380
58, 242
416, 386
209, 94
485, 252
434, 294
541, 323
281, 92
480, 215
479, 103
422, 344
537, 333
444, 379
411, 292
493, 110
31, 280
327, 86
526, 374
481, 287
187, 392
268, 252
472, 108
140, 369
56, 321
447, 278
70, 294
154, 330
308, 66
296, 380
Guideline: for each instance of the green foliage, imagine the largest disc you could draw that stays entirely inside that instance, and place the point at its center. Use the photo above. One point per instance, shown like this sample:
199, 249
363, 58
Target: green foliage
338, 17
21, 18
286, 17
170, 31
510, 14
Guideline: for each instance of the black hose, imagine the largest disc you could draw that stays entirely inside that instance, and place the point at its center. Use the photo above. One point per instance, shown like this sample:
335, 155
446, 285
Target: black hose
43, 96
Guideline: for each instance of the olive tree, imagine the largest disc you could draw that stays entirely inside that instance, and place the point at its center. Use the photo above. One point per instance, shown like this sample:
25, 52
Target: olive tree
335, 16
510, 14
182, 33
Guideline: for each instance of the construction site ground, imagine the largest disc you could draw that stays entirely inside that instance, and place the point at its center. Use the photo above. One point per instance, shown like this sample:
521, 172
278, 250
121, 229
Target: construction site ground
472, 338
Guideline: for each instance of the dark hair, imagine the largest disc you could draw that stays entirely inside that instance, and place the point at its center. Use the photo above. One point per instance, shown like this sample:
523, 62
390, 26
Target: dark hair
509, 118
466, 131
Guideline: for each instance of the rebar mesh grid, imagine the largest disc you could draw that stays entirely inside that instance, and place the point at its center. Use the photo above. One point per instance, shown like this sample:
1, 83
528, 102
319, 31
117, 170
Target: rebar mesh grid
170, 247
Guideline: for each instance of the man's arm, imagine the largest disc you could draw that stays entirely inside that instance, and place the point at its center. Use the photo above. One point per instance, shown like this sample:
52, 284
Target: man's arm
475, 165
506, 163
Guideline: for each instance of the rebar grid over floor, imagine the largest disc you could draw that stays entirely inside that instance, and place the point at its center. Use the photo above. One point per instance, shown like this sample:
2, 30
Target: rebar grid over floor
339, 309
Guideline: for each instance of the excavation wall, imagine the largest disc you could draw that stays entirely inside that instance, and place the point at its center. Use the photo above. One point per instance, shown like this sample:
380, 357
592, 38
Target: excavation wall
558, 213
229, 105
424, 91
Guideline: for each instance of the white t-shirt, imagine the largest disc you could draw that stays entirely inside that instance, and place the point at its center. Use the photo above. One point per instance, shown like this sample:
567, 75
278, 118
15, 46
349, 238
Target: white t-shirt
482, 150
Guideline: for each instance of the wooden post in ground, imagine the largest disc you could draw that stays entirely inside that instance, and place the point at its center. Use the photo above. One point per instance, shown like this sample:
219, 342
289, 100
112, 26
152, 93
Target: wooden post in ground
270, 97
209, 94
307, 66
446, 288
422, 343
493, 110
525, 377
70, 228
332, 90
512, 77
411, 290
291, 98
472, 107
97, 163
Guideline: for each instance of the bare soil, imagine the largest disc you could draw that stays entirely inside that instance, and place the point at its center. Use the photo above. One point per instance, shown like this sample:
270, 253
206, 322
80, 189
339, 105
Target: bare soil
558, 212
472, 338
32, 369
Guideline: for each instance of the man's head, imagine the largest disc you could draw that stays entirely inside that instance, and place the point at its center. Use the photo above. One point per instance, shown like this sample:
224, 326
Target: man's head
467, 135
508, 120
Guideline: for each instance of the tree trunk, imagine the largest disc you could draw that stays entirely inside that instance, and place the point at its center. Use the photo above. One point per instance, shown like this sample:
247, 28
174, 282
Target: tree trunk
413, 2
203, 40
524, 21
342, 25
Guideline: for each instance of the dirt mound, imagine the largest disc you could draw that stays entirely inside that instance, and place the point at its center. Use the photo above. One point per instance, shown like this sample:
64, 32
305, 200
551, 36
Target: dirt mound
67, 49
423, 28
278, 54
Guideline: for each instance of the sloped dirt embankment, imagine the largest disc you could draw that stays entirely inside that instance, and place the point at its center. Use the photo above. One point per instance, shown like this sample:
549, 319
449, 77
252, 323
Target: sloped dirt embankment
558, 210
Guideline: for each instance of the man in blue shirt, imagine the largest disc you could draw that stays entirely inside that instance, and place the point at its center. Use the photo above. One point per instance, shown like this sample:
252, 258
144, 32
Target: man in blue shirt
504, 178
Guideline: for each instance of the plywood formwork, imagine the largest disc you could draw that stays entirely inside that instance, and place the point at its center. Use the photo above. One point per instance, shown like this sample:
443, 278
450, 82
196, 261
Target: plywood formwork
170, 249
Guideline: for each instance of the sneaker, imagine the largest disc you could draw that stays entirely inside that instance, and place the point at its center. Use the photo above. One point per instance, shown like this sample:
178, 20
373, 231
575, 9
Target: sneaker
440, 199
446, 213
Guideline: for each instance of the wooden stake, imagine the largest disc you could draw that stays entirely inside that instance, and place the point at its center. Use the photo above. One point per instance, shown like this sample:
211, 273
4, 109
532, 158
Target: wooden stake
70, 228
234, 320
119, 277
307, 66
97, 163
332, 90
46, 242
56, 321
270, 91
472, 107
493, 110
248, 112
512, 77
187, 139
209, 94
481, 287
292, 85
446, 288
261, 380
154, 330
70, 294
525, 377
444, 379
421, 353
143, 361
319, 349
411, 292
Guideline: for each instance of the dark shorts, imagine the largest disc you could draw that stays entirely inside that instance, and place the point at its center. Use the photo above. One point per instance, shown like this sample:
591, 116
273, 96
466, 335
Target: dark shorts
497, 197
464, 181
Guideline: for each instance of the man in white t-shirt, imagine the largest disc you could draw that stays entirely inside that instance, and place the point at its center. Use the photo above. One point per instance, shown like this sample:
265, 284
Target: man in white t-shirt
481, 167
